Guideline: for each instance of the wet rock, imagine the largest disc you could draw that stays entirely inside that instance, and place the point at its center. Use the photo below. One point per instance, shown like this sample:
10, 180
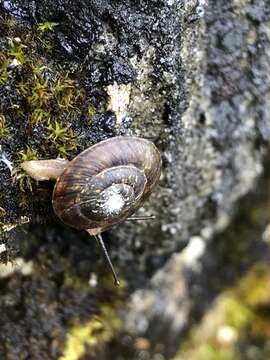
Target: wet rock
196, 74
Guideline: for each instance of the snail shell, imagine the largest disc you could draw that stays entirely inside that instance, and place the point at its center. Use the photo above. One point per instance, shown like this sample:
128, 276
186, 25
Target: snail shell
106, 183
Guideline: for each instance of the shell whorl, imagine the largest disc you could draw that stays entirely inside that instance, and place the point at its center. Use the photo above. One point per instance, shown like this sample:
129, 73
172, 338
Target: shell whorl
106, 183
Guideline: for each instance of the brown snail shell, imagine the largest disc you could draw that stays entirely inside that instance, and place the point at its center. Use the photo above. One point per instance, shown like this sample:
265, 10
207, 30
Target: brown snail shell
103, 185
106, 183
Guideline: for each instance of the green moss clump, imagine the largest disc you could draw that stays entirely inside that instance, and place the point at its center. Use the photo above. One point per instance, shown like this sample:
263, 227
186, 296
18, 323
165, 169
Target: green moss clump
3, 68
45, 26
4, 130
15, 50
208, 352
46, 101
7, 23
21, 177
40, 116
90, 110
90, 335
28, 154
67, 94
242, 310
62, 137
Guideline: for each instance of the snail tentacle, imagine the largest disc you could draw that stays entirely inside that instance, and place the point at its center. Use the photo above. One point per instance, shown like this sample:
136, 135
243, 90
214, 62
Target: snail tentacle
100, 242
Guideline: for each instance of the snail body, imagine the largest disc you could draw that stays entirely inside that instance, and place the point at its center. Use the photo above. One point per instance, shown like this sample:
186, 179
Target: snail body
103, 185
41, 170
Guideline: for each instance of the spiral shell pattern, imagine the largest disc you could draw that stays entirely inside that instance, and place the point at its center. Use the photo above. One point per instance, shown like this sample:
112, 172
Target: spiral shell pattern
107, 183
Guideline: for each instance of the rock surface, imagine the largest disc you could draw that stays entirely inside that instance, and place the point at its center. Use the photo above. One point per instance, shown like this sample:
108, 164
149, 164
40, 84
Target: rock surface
192, 76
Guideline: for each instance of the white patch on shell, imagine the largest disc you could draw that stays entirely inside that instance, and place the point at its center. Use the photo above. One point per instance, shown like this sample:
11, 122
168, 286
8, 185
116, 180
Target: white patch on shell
114, 203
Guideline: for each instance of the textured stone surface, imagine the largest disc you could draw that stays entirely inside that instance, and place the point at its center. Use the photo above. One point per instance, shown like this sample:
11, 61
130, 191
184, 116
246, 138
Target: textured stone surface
193, 76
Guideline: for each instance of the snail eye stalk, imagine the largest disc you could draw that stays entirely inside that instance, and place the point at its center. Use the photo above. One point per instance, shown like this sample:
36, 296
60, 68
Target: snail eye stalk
100, 242
146, 217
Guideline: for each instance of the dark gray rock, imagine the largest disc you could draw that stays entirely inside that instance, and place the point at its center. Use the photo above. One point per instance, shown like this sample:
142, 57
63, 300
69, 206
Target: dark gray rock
196, 74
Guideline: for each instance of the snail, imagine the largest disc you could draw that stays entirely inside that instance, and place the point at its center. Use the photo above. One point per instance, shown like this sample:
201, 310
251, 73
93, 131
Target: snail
103, 185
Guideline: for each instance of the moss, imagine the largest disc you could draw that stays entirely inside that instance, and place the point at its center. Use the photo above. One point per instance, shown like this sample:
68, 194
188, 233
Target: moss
66, 93
256, 286
4, 130
21, 177
3, 68
105, 282
62, 137
208, 352
39, 93
45, 99
80, 337
15, 50
90, 110
28, 154
255, 291
45, 26
8, 22
40, 115
74, 282
243, 310
87, 337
